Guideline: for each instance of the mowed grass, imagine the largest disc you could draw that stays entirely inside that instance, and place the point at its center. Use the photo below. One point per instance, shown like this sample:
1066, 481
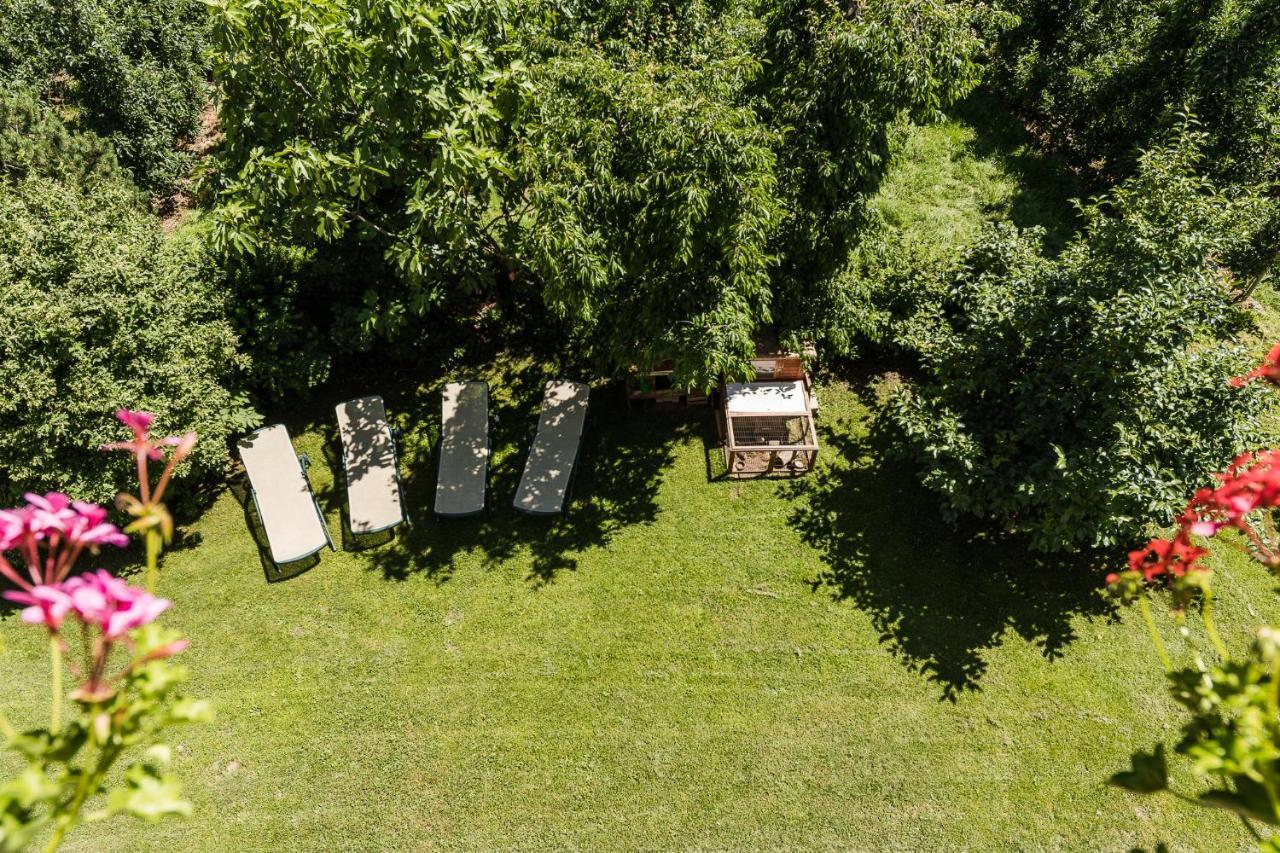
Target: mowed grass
949, 178
680, 663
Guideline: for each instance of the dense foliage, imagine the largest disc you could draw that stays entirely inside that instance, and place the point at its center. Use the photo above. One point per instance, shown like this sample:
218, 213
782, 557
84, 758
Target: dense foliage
837, 79
131, 71
1075, 399
633, 164
98, 310
1100, 81
1106, 79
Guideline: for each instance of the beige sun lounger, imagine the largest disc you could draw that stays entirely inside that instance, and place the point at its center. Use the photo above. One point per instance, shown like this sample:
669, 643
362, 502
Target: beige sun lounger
548, 472
374, 498
282, 494
463, 470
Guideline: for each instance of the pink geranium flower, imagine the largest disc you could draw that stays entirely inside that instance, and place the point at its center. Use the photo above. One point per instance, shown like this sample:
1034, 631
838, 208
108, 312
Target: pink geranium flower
90, 527
13, 527
143, 610
144, 448
139, 422
46, 604
51, 512
142, 445
105, 601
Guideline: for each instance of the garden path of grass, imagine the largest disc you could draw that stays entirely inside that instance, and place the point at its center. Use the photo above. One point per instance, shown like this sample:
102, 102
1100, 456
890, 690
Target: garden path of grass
808, 664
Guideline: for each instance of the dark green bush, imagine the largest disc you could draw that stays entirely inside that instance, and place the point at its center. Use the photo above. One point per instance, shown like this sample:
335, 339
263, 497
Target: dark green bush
99, 310
131, 71
1079, 399
280, 312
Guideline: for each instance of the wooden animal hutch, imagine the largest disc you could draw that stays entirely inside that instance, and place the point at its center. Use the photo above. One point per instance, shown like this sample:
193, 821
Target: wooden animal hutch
767, 426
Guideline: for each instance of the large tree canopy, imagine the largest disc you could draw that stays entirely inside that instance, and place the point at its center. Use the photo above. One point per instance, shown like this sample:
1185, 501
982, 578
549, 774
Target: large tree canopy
1104, 80
1101, 80
667, 176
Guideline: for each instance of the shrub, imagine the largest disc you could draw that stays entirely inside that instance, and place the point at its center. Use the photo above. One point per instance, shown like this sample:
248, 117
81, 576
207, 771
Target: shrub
128, 70
99, 311
35, 141
280, 313
1075, 399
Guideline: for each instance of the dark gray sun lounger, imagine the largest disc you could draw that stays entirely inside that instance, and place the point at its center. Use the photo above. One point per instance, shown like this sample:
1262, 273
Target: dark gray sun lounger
463, 469
375, 501
548, 472
282, 495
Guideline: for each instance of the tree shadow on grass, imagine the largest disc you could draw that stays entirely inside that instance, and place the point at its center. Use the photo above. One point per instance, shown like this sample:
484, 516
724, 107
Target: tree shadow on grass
1046, 187
941, 596
619, 471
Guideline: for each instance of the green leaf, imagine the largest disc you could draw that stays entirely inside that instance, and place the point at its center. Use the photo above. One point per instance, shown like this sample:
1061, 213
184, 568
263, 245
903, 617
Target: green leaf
29, 787
1249, 799
149, 795
16, 833
1149, 773
192, 711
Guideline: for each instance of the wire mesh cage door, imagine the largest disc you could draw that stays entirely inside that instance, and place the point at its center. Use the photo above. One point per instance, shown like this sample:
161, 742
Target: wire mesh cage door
767, 430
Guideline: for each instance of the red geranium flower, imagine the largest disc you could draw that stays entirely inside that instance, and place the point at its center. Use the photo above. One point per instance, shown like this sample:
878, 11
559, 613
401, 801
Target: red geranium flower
1268, 370
1175, 557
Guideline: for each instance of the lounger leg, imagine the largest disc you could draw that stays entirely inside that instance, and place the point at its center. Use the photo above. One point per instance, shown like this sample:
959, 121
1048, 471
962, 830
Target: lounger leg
315, 502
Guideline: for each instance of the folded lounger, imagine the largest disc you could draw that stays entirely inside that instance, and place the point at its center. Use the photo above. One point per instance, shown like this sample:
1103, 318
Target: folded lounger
282, 495
463, 470
548, 472
375, 500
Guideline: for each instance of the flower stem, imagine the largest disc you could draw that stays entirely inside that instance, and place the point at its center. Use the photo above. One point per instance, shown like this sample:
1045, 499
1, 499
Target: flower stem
55, 660
1145, 607
90, 782
1273, 696
1211, 629
153, 558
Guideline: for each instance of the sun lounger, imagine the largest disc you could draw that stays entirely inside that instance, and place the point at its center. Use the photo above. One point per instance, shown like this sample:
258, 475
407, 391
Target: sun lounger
463, 469
548, 472
374, 497
282, 495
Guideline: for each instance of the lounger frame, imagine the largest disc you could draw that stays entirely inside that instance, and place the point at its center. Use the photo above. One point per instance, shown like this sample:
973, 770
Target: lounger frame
488, 457
396, 433
304, 462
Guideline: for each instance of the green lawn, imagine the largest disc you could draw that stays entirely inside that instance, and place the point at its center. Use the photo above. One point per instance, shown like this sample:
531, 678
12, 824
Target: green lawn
680, 663
815, 663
